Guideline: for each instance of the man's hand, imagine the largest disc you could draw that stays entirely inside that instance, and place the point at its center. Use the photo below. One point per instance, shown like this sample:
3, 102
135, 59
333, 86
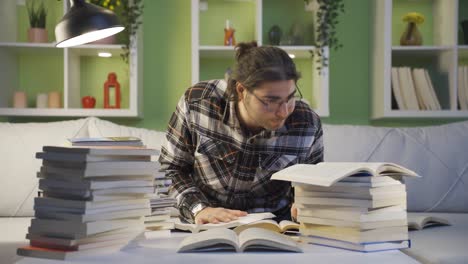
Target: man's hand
294, 212
216, 215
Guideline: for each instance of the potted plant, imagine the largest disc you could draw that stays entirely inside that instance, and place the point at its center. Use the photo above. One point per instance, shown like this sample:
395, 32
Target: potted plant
130, 13
326, 21
37, 33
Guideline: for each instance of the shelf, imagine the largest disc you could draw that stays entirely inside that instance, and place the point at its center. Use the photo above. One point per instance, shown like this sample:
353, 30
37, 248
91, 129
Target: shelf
70, 112
30, 48
425, 114
463, 51
252, 20
74, 72
421, 48
439, 57
217, 51
228, 51
93, 50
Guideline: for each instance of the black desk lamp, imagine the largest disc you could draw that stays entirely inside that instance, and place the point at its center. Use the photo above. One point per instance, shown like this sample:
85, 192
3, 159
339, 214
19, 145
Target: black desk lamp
84, 23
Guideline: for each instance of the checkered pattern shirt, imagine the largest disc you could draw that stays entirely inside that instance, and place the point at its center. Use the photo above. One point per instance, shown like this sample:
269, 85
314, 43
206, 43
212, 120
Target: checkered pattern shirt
212, 162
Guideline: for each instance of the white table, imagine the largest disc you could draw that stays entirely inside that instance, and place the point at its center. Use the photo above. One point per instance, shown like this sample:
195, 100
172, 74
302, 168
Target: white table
163, 250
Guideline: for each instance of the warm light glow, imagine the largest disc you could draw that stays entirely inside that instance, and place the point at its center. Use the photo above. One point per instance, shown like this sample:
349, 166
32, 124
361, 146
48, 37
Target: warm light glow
292, 56
105, 54
89, 37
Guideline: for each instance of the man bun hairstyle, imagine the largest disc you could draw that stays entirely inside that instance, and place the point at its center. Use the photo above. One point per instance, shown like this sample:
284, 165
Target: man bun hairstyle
255, 65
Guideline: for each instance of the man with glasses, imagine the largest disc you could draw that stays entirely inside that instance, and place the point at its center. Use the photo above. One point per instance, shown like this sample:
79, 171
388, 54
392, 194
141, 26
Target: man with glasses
226, 139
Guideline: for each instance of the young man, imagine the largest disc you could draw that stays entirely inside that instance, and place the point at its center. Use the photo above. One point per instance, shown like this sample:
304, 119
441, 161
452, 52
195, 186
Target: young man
226, 139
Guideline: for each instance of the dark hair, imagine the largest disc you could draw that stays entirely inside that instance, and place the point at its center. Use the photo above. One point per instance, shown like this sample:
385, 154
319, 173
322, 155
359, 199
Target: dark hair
255, 65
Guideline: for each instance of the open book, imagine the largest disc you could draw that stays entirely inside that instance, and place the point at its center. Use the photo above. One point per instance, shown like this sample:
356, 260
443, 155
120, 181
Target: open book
106, 141
281, 227
252, 239
194, 228
419, 222
328, 173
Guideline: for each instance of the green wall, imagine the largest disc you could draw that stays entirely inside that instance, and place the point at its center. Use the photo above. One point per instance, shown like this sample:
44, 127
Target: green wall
167, 67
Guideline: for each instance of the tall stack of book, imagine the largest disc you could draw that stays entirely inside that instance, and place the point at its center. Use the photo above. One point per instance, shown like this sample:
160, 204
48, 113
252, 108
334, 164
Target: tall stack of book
158, 222
161, 209
355, 206
94, 199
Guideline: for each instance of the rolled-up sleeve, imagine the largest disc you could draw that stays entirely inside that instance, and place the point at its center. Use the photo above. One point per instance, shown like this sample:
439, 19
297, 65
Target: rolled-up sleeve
177, 159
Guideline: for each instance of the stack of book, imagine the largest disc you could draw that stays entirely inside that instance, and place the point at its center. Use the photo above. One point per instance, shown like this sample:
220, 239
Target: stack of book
162, 183
356, 206
412, 89
94, 199
158, 222
161, 210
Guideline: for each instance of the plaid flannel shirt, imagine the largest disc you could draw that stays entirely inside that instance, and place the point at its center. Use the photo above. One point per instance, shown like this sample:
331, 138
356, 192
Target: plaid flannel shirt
213, 163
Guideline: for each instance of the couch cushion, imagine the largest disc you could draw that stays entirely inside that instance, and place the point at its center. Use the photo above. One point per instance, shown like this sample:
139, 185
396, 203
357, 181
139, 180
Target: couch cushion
13, 230
102, 128
18, 146
438, 153
441, 244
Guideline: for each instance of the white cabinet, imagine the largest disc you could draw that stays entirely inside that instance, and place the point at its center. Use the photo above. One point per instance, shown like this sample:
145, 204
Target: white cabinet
440, 54
74, 72
252, 20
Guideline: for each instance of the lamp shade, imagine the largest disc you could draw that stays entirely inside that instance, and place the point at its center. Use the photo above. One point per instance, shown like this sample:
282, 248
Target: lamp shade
84, 23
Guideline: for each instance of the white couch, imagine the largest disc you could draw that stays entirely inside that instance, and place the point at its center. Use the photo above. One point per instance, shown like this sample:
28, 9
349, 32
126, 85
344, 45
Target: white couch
438, 153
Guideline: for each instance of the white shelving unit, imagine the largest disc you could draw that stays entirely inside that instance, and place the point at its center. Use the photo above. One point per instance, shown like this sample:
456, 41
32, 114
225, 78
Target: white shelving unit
12, 52
440, 54
319, 83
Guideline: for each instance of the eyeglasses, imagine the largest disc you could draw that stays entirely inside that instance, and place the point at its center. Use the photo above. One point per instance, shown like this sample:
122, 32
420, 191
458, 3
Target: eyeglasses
273, 105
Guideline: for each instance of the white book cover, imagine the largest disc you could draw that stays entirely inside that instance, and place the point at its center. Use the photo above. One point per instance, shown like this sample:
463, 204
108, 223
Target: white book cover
93, 184
72, 229
411, 91
99, 151
422, 90
83, 157
397, 90
435, 99
364, 247
399, 199
465, 91
407, 89
461, 88
419, 88
355, 235
101, 216
56, 202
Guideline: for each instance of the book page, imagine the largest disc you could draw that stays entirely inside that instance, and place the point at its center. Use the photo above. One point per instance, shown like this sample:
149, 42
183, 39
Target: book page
265, 224
286, 225
421, 221
328, 173
210, 240
243, 220
259, 238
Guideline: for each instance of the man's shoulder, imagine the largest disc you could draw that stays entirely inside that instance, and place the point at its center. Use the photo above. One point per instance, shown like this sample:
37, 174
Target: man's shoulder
303, 115
206, 89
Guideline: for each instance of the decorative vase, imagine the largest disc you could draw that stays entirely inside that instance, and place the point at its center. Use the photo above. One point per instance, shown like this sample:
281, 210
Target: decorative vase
274, 35
54, 100
297, 34
229, 39
411, 36
42, 100
20, 100
37, 35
